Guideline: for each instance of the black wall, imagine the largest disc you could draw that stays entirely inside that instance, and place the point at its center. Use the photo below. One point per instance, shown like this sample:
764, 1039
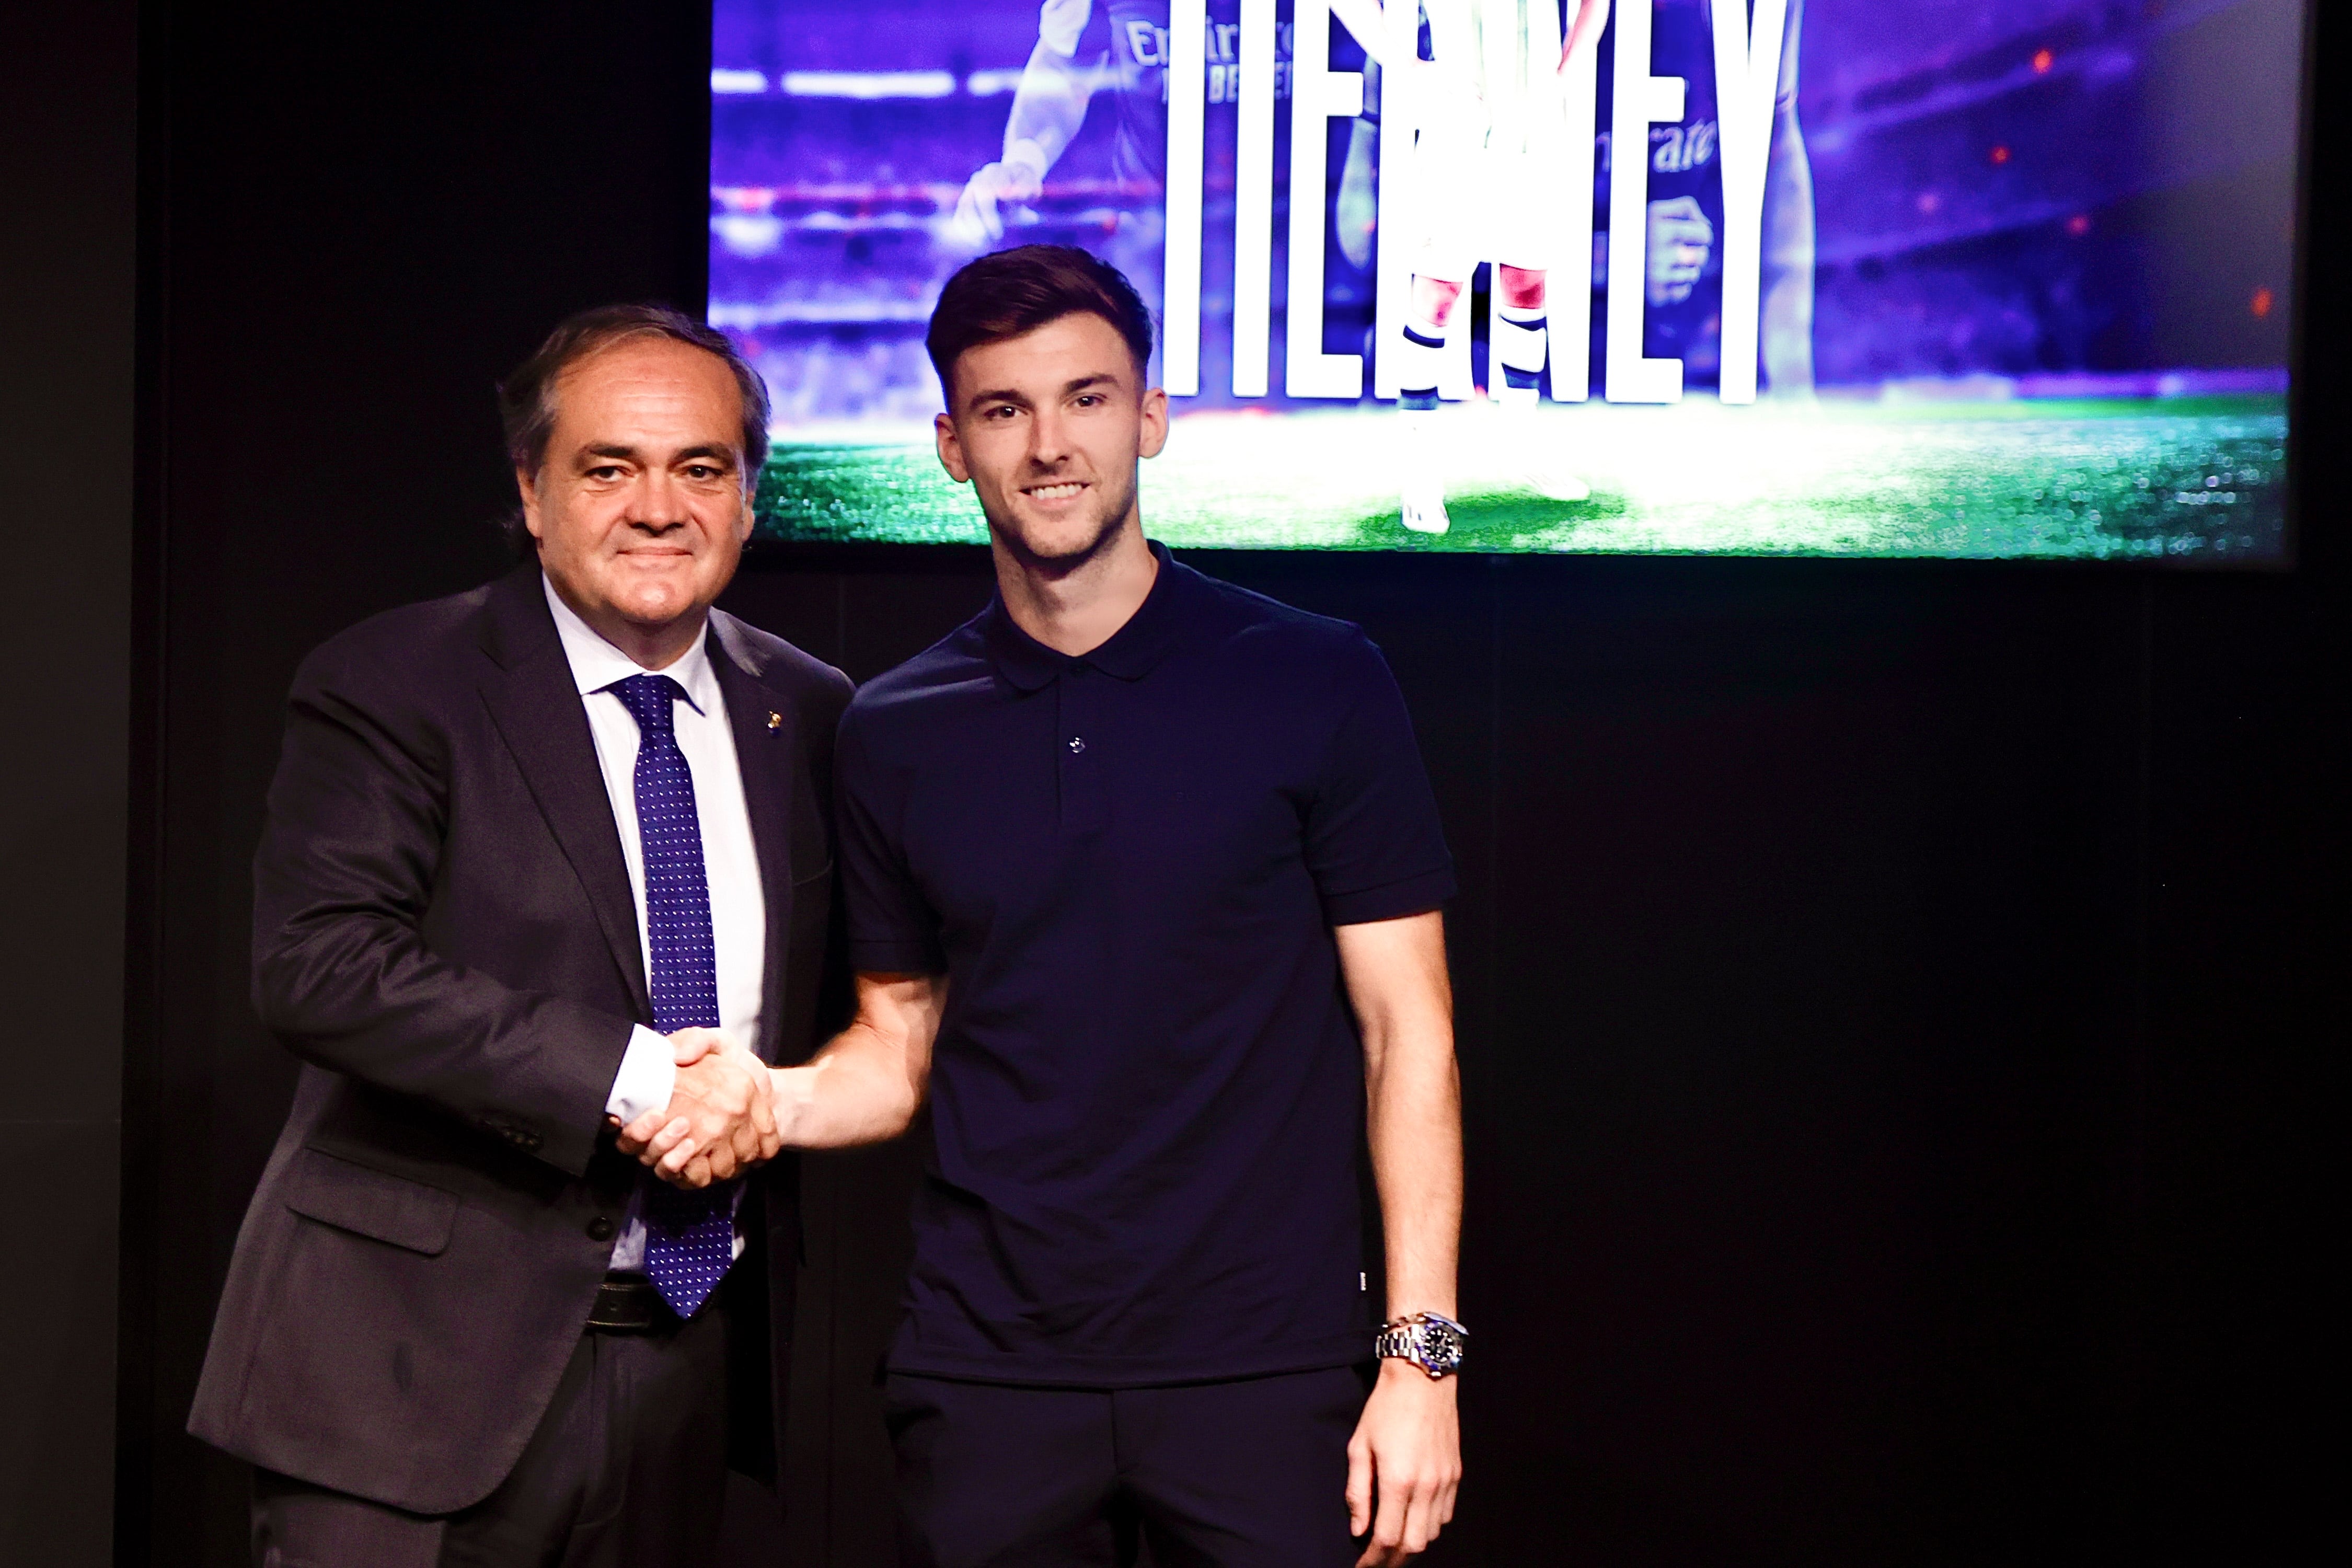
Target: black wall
1896, 999
69, 91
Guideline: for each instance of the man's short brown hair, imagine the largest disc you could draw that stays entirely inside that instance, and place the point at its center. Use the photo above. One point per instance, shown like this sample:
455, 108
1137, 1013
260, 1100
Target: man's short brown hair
527, 398
1014, 291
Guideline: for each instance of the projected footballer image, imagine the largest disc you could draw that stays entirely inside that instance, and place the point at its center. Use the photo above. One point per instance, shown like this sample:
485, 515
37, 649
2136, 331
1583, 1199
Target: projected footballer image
1953, 278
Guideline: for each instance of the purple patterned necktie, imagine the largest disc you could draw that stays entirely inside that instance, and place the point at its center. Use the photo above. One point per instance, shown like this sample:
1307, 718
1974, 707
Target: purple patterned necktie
690, 1236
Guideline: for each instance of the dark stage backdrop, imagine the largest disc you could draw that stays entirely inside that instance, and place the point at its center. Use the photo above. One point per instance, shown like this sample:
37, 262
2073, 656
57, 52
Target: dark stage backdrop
1898, 1000
67, 168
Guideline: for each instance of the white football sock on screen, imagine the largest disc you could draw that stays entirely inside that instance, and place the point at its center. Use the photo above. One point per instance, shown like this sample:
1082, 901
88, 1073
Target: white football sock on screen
1518, 350
1418, 363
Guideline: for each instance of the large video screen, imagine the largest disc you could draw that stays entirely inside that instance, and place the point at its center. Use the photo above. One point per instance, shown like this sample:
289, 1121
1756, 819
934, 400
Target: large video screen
1885, 278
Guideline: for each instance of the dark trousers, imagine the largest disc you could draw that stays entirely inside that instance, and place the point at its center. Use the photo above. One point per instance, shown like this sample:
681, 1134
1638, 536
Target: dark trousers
1248, 1474
627, 1469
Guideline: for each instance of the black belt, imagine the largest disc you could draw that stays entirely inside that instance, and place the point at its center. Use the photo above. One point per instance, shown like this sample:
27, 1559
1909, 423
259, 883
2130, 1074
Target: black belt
629, 1304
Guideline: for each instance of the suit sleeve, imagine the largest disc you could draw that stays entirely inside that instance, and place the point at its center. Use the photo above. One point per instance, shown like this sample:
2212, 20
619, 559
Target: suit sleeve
342, 974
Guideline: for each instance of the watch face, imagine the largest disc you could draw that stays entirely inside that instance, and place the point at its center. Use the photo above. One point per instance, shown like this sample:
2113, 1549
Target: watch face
1441, 1346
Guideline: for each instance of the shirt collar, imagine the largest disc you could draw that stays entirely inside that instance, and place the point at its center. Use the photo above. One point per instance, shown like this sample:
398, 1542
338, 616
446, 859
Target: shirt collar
597, 664
1130, 653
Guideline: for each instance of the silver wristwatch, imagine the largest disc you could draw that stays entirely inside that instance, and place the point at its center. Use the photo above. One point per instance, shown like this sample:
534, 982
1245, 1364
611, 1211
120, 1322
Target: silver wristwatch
1431, 1342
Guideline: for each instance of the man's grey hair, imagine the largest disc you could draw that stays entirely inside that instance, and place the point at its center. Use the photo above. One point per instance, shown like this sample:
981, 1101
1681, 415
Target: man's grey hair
526, 397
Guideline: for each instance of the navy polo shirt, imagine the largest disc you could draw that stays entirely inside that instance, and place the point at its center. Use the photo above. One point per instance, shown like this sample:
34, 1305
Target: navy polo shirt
1148, 1091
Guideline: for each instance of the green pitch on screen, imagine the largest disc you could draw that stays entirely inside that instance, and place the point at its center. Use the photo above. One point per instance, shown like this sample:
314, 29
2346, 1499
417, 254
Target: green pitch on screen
2188, 480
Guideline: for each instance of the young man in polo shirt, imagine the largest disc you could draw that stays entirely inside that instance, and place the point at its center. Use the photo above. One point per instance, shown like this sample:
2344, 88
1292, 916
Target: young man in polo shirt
1144, 877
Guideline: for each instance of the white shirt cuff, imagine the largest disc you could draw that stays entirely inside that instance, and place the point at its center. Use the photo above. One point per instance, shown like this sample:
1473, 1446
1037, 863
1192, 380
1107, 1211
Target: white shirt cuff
648, 1072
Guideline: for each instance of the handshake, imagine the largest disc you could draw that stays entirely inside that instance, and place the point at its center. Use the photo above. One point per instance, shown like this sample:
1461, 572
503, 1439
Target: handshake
721, 1119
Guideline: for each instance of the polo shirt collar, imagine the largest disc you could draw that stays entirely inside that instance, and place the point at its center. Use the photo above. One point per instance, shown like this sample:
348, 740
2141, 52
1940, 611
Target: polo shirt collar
1131, 652
597, 664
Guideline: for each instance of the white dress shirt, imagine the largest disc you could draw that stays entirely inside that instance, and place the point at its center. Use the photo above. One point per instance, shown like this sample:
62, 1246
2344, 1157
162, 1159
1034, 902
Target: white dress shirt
731, 862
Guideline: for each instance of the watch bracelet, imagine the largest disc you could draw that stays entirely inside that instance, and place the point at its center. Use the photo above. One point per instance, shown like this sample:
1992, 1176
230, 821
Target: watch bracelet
1405, 1339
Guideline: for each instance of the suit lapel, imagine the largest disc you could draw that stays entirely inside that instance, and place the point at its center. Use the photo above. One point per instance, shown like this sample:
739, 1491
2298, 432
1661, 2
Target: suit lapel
767, 747
536, 706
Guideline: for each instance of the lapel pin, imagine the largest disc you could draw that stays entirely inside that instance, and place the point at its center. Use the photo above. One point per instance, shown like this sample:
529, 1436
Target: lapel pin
775, 721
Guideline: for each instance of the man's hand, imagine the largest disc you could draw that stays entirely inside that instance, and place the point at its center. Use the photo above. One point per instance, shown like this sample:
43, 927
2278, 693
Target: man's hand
718, 1122
1680, 242
1016, 179
1404, 1464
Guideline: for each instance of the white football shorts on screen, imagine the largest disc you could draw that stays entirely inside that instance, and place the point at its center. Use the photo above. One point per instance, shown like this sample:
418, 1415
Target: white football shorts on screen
1492, 124
1492, 115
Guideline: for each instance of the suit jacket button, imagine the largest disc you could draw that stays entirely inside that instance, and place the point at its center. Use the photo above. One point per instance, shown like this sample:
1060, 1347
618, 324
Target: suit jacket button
600, 1229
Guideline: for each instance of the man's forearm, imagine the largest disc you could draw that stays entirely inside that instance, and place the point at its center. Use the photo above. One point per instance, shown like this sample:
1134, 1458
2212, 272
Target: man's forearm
849, 1094
1396, 979
866, 1086
1414, 1096
1048, 106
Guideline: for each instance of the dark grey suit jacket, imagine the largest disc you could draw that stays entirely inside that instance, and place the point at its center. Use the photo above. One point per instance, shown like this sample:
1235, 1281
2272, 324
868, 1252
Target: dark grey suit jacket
443, 933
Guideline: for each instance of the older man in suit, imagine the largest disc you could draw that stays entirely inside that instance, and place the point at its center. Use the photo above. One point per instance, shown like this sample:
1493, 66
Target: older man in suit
539, 858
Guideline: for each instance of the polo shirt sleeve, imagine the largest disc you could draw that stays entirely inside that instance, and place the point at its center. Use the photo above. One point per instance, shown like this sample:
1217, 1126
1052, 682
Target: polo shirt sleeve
1374, 843
892, 928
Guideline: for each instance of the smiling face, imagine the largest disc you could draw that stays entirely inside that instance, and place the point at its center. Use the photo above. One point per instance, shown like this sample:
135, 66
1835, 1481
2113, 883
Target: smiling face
1048, 429
640, 504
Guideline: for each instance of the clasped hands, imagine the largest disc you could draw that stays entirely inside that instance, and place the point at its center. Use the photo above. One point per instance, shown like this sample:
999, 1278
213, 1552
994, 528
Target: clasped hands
720, 1120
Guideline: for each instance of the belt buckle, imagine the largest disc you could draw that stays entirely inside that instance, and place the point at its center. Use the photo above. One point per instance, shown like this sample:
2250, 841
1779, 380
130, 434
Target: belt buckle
627, 1307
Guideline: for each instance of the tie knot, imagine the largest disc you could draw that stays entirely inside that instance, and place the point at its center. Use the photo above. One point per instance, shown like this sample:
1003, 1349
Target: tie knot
648, 698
